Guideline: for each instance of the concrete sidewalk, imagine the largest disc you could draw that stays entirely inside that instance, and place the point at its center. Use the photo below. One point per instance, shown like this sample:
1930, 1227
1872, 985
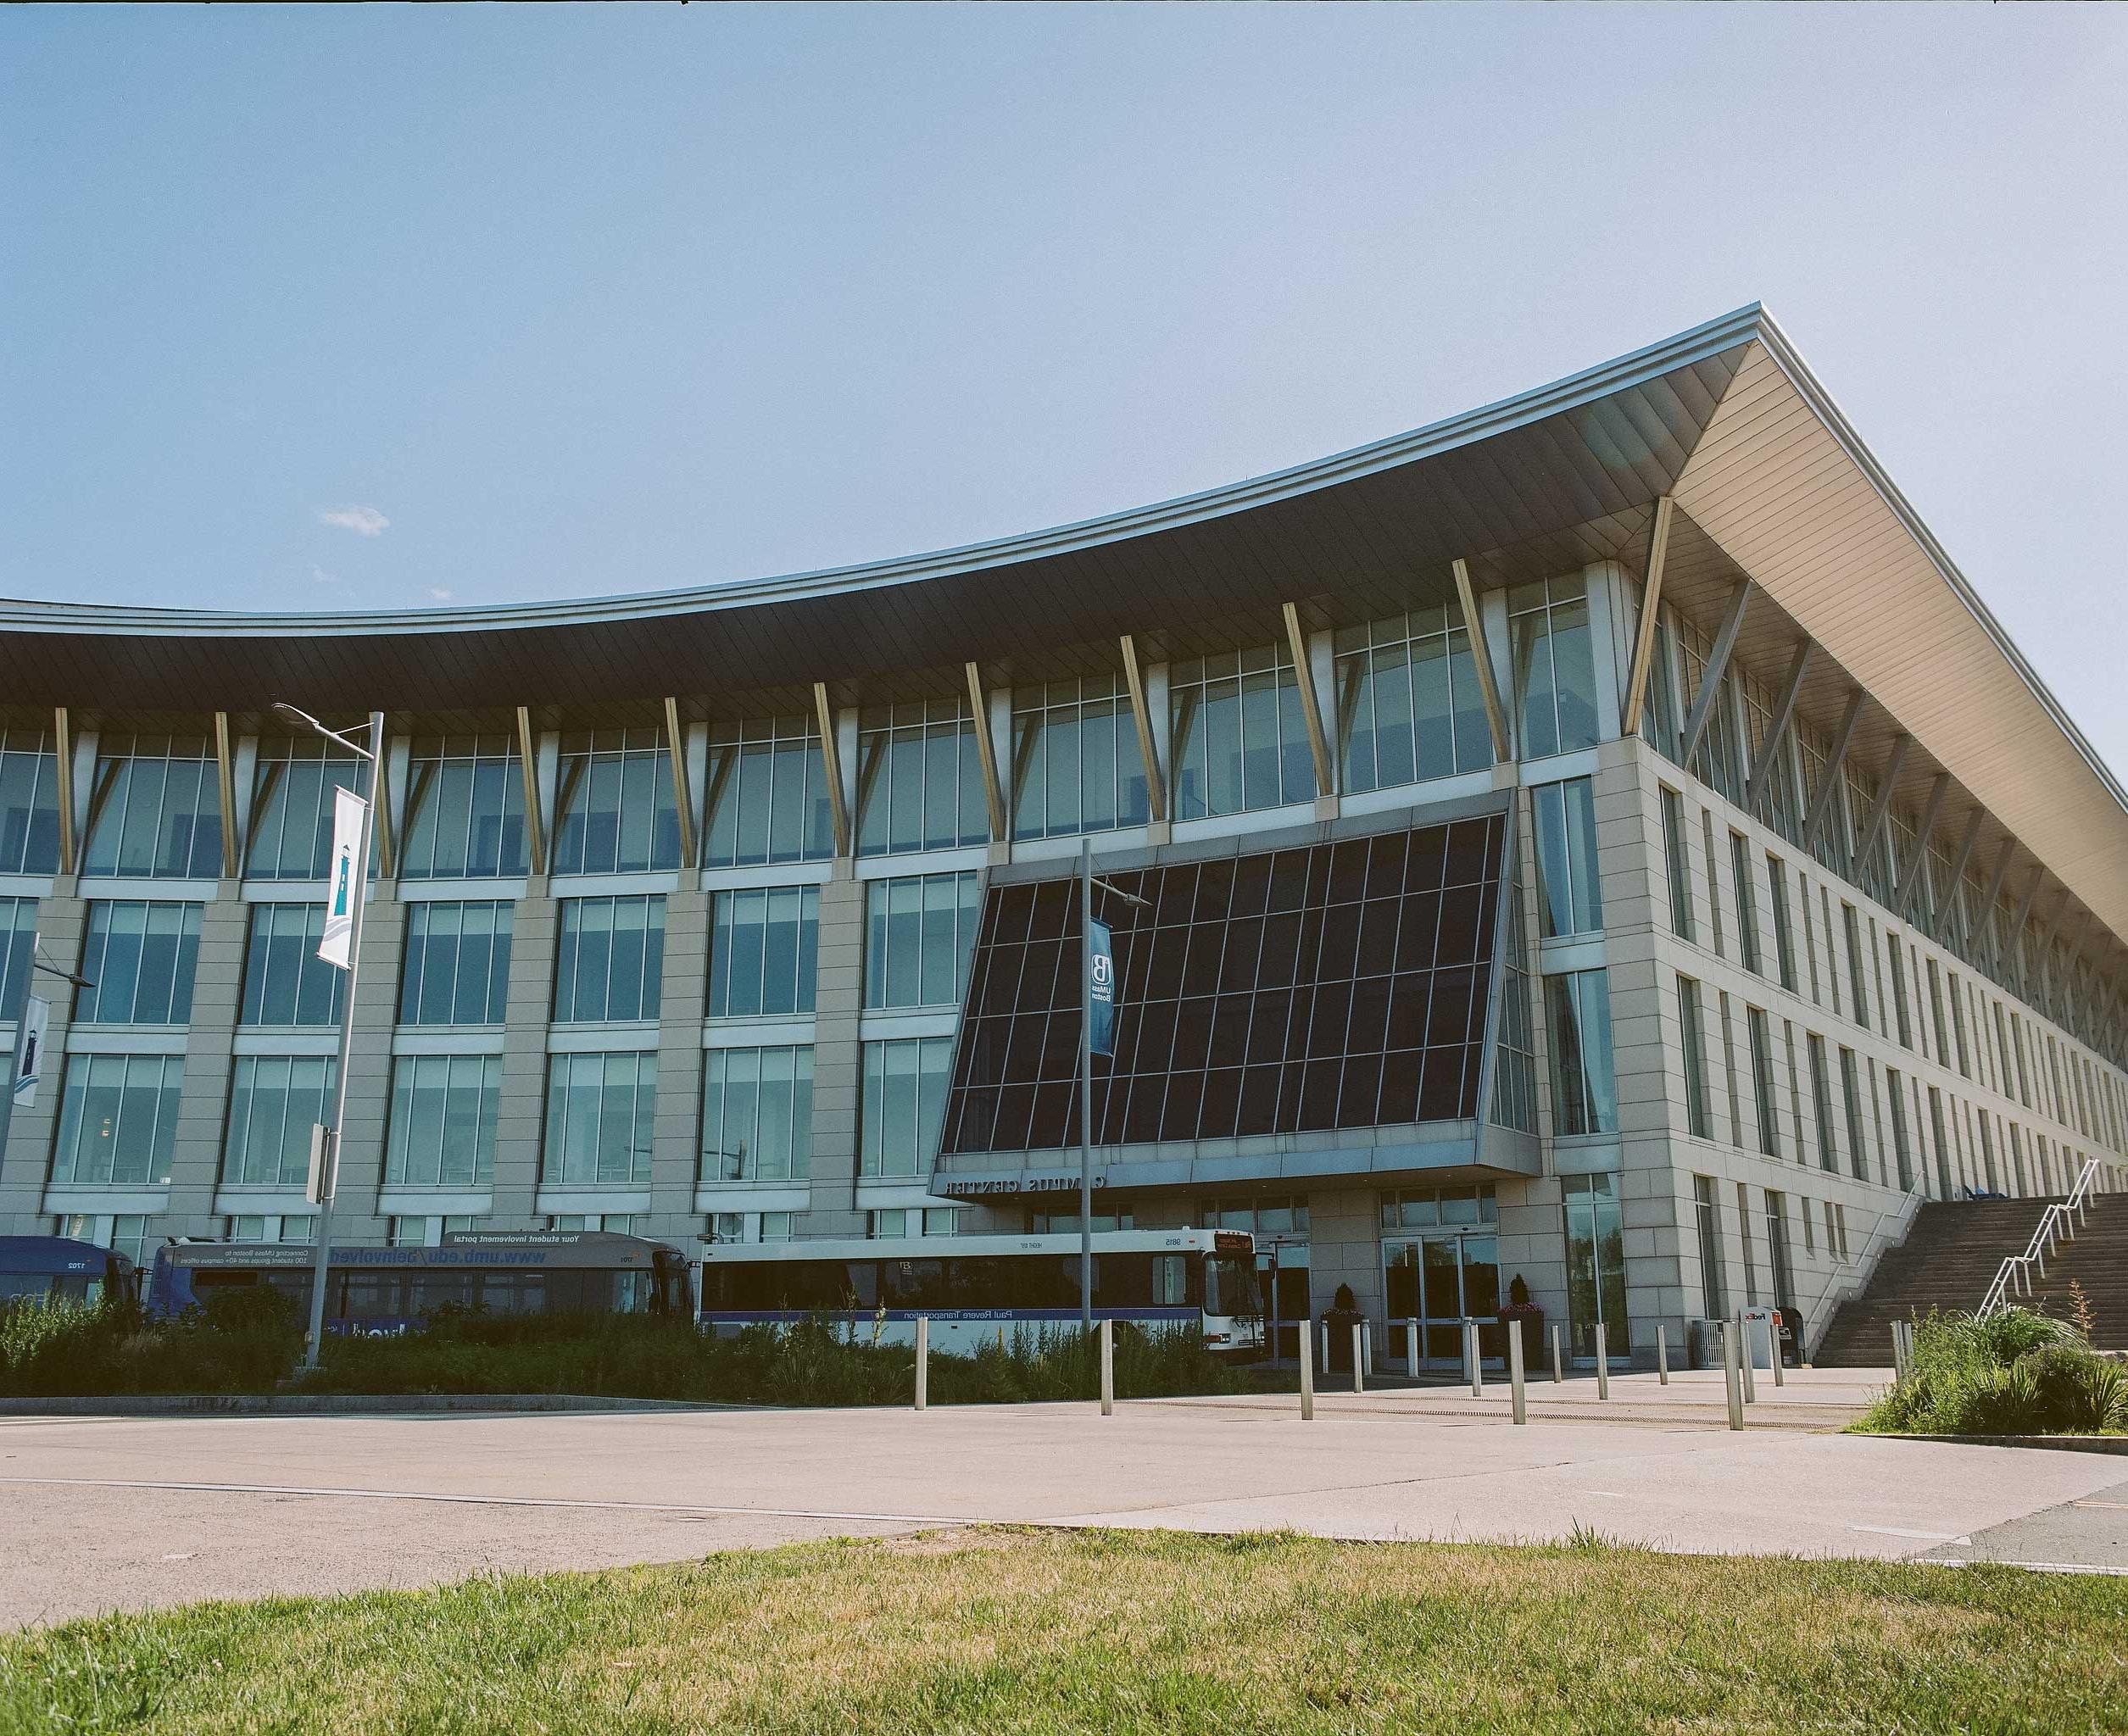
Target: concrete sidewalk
138, 1512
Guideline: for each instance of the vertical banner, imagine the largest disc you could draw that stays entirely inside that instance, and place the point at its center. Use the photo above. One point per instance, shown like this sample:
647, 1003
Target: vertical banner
345, 878
1100, 991
28, 1051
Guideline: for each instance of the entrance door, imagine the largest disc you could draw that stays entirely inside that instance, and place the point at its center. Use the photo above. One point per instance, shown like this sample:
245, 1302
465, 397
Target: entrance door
1441, 1280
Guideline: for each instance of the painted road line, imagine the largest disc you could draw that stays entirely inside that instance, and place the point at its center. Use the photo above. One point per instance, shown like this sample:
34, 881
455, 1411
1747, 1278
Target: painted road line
1921, 1536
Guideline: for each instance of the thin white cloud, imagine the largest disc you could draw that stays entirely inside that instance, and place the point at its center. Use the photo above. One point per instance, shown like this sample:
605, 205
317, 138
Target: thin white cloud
440, 594
363, 520
318, 575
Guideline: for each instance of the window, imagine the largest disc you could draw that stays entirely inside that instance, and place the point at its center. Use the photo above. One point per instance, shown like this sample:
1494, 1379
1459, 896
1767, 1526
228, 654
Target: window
1674, 860
1569, 890
1076, 766
1840, 1221
1744, 1233
768, 799
757, 1114
1406, 1208
1958, 1025
274, 1104
580, 1223
918, 933
887, 1226
1850, 1091
764, 947
919, 782
1697, 1120
1832, 945
457, 963
18, 937
271, 1226
1409, 707
1739, 861
141, 958
1714, 880
442, 1131
600, 1111
905, 1093
1821, 1103
1762, 1044
464, 810
1584, 1092
611, 962
1555, 665
1899, 991
614, 807
1708, 1211
29, 803
1239, 741
1340, 984
117, 1120
292, 806
1942, 1144
942, 1219
1936, 1013
427, 1232
1856, 982
1595, 1265
122, 1233
1777, 1247
1784, 937
1810, 934
1987, 1153
1901, 1146
286, 982
155, 809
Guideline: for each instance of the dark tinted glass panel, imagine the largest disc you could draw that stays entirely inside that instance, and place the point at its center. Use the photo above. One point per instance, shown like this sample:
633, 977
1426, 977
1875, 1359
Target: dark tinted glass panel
1343, 985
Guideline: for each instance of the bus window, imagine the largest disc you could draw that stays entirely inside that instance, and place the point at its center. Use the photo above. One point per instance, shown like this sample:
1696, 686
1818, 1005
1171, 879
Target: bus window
1170, 1280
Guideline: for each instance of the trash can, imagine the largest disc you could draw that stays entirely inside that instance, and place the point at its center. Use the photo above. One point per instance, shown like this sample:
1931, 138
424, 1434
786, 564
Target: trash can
1704, 1345
1762, 1332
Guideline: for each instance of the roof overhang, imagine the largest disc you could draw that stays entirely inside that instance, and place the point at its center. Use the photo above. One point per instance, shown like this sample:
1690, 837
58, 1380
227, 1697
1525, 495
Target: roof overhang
1769, 481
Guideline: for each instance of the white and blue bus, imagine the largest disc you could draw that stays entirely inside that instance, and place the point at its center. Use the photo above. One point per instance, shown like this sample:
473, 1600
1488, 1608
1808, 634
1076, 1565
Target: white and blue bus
975, 1288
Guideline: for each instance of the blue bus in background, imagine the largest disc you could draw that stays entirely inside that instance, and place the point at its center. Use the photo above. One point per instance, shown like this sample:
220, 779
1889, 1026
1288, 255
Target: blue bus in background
390, 1290
56, 1268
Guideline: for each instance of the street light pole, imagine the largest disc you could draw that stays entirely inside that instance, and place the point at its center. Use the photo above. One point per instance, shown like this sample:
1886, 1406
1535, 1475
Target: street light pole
329, 1175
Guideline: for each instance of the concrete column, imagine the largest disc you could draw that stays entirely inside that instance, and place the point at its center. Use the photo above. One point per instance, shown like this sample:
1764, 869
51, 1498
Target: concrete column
838, 1002
521, 1112
203, 1106
27, 1161
675, 1146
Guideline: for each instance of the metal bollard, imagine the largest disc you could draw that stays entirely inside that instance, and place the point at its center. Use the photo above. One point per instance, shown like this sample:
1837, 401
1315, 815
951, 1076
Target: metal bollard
1898, 1354
1359, 1360
923, 1361
1307, 1376
1323, 1327
1471, 1357
1558, 1362
1730, 1376
1603, 1365
1108, 1368
1773, 1350
1410, 1349
1367, 1337
1520, 1407
1744, 1346
1662, 1353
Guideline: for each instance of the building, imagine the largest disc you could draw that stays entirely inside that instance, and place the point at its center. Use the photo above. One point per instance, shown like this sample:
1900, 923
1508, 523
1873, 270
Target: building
1600, 838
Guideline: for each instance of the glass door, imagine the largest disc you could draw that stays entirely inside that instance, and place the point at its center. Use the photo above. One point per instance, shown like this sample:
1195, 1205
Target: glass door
1439, 1281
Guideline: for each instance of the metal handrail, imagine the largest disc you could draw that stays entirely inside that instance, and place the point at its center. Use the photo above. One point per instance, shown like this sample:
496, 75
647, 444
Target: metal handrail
2056, 1220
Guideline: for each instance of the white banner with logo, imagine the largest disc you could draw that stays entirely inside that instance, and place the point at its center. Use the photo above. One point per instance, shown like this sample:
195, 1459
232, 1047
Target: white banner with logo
345, 878
29, 1050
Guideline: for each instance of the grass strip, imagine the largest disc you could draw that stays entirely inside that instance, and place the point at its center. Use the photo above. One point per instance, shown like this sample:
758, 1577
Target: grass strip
999, 1630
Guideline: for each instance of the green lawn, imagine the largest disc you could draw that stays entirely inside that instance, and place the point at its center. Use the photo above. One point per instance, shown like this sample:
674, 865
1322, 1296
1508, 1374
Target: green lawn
1003, 1630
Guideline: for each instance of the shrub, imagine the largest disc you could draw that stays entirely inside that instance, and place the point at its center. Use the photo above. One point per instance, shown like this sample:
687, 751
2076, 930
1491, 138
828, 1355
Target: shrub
2017, 1373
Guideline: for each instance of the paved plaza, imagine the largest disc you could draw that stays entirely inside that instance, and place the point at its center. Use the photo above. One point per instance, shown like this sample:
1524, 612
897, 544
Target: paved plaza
132, 1512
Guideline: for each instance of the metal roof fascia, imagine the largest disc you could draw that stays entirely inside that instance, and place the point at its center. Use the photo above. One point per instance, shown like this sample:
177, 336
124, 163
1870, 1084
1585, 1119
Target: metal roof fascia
1701, 343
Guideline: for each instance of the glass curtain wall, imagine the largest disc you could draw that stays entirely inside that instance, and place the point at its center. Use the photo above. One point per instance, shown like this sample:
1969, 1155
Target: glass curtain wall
273, 1104
613, 805
457, 970
442, 1126
117, 1120
1409, 707
601, 1111
768, 799
919, 931
904, 1094
464, 810
1239, 741
1584, 1094
140, 959
757, 1114
1596, 1266
919, 779
286, 982
154, 810
1554, 666
29, 803
610, 963
291, 836
1570, 889
764, 949
17, 933
1076, 766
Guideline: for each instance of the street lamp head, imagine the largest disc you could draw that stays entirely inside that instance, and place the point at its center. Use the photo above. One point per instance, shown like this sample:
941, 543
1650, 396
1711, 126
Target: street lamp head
295, 715
302, 717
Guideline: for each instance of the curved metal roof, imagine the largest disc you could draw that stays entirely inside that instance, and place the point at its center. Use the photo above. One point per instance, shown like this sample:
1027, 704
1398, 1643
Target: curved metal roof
1768, 478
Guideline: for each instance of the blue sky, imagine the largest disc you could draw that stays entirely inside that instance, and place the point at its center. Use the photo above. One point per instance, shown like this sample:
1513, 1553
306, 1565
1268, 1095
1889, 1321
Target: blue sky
374, 307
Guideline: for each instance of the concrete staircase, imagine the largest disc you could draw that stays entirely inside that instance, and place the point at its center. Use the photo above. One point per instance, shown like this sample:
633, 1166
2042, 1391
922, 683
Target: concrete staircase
1950, 1257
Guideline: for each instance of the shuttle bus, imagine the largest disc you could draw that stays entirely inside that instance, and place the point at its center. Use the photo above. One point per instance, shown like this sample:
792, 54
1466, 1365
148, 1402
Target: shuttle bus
973, 1288
385, 1290
57, 1268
